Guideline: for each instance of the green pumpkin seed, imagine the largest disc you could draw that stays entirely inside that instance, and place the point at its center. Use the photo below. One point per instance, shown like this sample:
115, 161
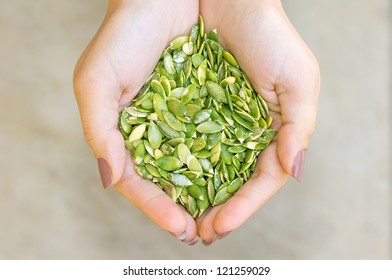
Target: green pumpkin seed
255, 145
209, 127
177, 92
172, 121
183, 152
159, 105
210, 191
188, 69
177, 108
169, 64
178, 42
179, 57
235, 185
142, 171
236, 149
198, 144
169, 163
194, 34
137, 133
221, 196
149, 148
203, 202
180, 180
153, 170
202, 116
213, 35
139, 154
244, 115
227, 81
230, 58
206, 165
202, 72
157, 87
197, 59
216, 91
154, 135
189, 93
191, 207
201, 26
194, 191
215, 154
188, 48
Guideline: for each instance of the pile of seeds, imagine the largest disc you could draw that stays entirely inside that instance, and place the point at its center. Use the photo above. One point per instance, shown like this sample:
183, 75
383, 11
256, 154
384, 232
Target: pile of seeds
197, 126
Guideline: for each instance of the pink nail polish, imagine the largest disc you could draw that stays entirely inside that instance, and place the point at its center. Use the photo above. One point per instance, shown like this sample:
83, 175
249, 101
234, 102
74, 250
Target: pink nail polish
221, 236
105, 172
205, 243
298, 165
183, 236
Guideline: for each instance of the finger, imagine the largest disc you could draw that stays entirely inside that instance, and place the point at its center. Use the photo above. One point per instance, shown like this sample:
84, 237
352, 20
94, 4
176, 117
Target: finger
266, 181
156, 205
298, 95
205, 225
98, 105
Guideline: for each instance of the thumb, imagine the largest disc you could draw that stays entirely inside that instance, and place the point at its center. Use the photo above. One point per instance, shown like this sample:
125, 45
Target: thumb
298, 101
98, 105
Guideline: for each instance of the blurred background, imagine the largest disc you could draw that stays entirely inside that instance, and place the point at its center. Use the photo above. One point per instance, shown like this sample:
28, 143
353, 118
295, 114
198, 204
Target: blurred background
52, 205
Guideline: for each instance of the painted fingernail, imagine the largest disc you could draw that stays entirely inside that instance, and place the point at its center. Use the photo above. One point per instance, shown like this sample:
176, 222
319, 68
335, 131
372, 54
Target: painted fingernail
193, 242
105, 172
298, 165
182, 236
205, 243
221, 236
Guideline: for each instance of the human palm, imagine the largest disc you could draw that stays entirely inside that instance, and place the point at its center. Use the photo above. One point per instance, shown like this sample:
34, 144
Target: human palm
283, 70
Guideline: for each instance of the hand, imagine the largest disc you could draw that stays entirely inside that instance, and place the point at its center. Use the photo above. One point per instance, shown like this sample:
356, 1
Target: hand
108, 75
283, 70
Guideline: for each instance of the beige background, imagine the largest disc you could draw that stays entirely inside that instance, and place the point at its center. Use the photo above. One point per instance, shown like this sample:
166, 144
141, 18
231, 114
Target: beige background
52, 205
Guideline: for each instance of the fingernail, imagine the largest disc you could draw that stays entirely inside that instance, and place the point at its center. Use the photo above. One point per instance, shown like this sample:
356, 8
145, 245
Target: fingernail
221, 236
105, 172
193, 242
205, 243
298, 165
182, 236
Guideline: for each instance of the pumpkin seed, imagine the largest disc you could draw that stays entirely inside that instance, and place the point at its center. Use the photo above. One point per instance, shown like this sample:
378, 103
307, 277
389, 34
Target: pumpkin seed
189, 93
221, 196
230, 58
139, 154
172, 121
193, 164
154, 136
169, 64
209, 127
178, 42
180, 180
203, 202
216, 91
234, 185
169, 163
137, 133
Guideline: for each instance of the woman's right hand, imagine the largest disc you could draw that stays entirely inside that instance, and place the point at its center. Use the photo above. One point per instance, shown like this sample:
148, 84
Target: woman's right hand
108, 75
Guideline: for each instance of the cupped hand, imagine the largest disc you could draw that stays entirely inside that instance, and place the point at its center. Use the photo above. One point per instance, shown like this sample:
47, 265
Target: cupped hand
284, 71
110, 72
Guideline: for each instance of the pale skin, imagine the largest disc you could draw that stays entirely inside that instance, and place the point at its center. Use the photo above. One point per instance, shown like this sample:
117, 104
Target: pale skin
124, 52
